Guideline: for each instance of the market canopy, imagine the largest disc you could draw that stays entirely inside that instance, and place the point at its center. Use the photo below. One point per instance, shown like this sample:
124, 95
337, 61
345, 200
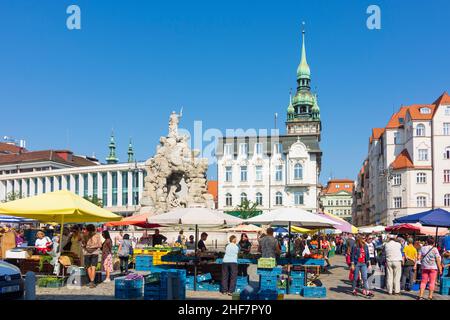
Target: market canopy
295, 216
343, 226
194, 216
371, 229
415, 228
139, 220
12, 219
430, 218
302, 230
59, 206
244, 228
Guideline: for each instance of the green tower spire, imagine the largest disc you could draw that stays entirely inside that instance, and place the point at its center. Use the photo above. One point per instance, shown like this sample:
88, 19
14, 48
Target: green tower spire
290, 109
303, 71
112, 159
315, 111
130, 152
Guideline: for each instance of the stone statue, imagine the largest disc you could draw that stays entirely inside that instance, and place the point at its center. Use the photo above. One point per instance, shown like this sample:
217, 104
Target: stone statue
173, 164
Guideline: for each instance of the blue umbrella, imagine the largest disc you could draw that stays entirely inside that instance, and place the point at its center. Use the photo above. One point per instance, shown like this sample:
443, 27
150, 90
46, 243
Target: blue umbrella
11, 219
431, 218
280, 230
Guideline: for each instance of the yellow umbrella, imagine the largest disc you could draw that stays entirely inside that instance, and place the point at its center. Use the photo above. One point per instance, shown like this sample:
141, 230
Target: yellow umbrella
58, 206
302, 230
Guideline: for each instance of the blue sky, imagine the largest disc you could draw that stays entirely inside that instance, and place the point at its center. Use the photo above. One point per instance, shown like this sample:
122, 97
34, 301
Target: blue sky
228, 63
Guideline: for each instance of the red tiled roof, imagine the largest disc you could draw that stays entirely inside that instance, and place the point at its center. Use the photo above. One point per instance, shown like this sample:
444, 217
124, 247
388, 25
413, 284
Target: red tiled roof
376, 134
415, 114
213, 189
394, 122
44, 155
402, 161
10, 148
443, 99
338, 185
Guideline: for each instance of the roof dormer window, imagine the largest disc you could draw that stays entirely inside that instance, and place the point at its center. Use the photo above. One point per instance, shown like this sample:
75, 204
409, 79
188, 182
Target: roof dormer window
425, 110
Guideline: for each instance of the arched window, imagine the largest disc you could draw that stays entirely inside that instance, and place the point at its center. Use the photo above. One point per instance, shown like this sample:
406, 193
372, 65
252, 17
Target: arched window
228, 200
259, 198
421, 201
420, 130
447, 200
298, 172
447, 153
278, 199
243, 197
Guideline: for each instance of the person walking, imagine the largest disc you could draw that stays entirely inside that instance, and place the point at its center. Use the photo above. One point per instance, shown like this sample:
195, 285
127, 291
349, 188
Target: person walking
431, 263
268, 245
91, 245
409, 265
359, 262
107, 260
75, 243
394, 258
230, 267
124, 251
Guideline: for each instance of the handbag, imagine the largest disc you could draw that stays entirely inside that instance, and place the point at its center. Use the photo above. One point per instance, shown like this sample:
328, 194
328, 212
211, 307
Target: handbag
409, 263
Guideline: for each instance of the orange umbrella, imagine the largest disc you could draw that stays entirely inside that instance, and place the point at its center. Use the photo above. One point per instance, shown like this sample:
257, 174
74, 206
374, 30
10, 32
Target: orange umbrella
139, 220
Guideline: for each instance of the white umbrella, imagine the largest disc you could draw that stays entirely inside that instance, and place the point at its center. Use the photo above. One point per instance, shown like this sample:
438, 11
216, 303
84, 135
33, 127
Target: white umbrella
371, 229
244, 228
294, 216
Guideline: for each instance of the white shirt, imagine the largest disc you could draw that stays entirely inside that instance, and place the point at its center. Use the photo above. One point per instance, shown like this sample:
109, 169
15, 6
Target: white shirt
393, 251
42, 243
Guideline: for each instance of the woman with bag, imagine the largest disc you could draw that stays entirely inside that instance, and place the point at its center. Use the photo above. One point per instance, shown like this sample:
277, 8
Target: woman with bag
430, 263
124, 251
359, 263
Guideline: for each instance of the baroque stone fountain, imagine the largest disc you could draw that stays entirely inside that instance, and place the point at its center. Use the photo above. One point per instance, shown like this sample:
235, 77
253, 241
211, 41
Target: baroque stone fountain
176, 176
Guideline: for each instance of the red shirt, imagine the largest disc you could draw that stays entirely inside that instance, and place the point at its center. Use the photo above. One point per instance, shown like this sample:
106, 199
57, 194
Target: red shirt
362, 256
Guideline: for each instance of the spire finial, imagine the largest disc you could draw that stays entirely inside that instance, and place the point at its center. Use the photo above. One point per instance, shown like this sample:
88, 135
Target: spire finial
111, 159
303, 71
130, 152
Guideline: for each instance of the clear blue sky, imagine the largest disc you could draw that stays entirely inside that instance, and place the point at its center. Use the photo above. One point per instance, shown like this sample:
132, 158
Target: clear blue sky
229, 63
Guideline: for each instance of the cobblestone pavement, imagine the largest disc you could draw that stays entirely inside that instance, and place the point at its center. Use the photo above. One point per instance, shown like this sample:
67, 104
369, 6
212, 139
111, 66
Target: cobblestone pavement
338, 288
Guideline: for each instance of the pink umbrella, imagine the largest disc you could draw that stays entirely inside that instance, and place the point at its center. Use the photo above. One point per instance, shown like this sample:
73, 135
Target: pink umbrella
343, 225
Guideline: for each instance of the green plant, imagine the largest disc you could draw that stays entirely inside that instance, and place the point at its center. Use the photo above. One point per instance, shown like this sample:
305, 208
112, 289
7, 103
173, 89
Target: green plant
42, 260
95, 200
247, 209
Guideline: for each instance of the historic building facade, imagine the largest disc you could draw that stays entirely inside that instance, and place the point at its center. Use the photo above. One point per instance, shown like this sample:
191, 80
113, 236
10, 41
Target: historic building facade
407, 169
337, 198
275, 171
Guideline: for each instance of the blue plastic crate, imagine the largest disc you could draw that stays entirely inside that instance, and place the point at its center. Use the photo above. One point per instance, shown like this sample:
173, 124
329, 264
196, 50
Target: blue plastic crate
269, 272
245, 295
123, 283
445, 291
296, 290
128, 293
314, 292
267, 295
204, 277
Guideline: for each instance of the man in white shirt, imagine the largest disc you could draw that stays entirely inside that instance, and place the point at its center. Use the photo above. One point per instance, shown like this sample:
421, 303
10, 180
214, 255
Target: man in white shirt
394, 257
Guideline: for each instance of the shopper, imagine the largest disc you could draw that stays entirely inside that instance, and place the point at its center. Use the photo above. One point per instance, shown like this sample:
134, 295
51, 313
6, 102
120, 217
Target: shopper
244, 244
124, 252
190, 245
181, 238
394, 258
431, 264
372, 251
359, 261
326, 247
158, 238
409, 265
91, 245
268, 245
43, 244
107, 260
201, 243
118, 238
230, 267
75, 243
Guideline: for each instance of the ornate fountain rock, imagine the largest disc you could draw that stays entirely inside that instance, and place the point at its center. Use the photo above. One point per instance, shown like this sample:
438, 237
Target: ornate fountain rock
176, 177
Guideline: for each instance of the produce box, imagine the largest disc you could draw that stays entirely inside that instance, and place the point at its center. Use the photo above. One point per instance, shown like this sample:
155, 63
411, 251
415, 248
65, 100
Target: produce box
309, 262
128, 293
267, 263
204, 277
445, 282
445, 291
269, 271
122, 283
268, 295
314, 292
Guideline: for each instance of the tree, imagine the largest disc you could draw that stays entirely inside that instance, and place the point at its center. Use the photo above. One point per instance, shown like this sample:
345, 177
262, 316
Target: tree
11, 196
247, 209
95, 200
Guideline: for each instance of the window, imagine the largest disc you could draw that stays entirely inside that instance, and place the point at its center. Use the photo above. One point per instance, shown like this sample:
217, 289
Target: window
397, 179
447, 111
135, 187
124, 188
421, 201
259, 198
52, 184
228, 174
298, 172
278, 199
397, 202
446, 129
278, 148
421, 177
227, 149
423, 154
258, 148
337, 186
85, 185
243, 149
35, 182
28, 187
447, 200
298, 198
244, 173
114, 188
77, 184
446, 176
105, 189
425, 110
228, 200
279, 173
420, 130
44, 185
258, 173
59, 182
397, 138
95, 185
243, 197
447, 153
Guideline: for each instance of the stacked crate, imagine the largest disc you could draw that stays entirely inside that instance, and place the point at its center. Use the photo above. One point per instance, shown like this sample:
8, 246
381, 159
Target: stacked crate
314, 292
128, 288
171, 286
205, 283
144, 263
241, 283
445, 286
297, 282
268, 282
